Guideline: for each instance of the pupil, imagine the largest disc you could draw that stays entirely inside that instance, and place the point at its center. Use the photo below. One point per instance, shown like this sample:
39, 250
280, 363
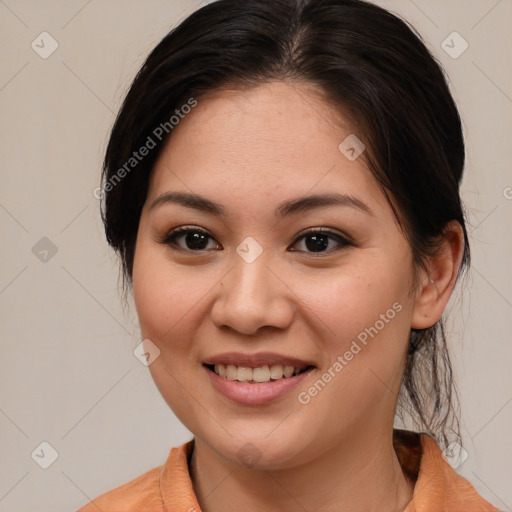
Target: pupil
196, 241
318, 242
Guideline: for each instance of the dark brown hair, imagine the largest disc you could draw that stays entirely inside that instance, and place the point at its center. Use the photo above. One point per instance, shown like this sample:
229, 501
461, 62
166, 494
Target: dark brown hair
372, 65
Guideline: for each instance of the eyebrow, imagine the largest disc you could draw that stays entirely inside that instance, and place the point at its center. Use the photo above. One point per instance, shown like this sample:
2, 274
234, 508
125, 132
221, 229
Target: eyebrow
290, 207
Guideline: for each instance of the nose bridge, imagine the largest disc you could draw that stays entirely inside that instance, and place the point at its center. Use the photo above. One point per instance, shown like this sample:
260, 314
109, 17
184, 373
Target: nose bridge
251, 269
251, 295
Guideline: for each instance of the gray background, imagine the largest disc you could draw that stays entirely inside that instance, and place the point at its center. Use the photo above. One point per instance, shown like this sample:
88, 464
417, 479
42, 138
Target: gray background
68, 375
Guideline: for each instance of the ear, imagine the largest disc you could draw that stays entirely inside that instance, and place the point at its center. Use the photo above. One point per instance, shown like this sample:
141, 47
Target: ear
437, 280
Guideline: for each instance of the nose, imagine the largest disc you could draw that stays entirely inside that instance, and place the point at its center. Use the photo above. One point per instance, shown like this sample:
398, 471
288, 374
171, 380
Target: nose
253, 296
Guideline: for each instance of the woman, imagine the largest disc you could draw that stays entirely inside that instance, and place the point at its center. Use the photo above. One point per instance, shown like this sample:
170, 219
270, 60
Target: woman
282, 185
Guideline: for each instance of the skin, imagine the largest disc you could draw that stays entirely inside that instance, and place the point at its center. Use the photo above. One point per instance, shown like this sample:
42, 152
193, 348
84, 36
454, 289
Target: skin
250, 150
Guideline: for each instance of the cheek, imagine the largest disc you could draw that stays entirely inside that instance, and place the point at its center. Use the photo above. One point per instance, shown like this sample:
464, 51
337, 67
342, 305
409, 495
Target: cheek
165, 294
365, 315
347, 303
168, 299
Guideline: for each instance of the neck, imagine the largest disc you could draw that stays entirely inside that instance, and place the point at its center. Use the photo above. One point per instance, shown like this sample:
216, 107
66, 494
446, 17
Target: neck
363, 475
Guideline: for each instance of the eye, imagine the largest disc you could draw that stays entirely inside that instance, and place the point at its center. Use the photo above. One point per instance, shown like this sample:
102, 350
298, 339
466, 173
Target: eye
191, 238
315, 240
318, 240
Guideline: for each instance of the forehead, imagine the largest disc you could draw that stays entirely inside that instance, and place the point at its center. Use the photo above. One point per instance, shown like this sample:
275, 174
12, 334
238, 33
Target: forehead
278, 137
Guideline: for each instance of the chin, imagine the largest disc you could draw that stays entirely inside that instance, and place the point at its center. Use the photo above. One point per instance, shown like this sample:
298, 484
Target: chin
263, 448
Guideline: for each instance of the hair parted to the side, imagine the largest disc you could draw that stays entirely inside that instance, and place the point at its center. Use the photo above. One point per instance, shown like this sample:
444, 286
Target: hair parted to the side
365, 60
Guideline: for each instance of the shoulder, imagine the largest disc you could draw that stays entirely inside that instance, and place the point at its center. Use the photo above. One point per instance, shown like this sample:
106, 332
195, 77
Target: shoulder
166, 487
137, 495
439, 484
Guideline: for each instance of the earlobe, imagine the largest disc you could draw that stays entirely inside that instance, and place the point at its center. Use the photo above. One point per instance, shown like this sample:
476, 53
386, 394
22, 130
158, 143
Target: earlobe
438, 279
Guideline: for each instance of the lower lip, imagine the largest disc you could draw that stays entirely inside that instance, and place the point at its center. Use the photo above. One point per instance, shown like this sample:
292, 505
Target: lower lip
258, 393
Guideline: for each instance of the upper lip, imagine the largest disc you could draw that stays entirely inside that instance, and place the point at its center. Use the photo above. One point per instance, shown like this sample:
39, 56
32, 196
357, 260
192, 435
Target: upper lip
257, 360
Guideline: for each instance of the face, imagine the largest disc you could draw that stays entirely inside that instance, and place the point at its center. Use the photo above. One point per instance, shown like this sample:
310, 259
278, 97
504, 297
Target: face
261, 278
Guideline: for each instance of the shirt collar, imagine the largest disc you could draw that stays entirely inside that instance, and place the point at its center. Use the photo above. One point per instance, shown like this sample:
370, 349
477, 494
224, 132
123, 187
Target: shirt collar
175, 483
438, 486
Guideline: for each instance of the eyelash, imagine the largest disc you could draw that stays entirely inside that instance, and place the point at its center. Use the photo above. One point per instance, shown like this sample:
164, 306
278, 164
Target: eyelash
170, 239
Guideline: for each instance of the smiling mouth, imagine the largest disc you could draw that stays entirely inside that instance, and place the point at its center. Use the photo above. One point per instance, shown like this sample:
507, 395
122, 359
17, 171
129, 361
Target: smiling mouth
257, 375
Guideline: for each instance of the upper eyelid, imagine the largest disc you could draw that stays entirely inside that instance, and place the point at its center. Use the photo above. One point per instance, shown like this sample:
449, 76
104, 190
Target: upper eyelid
321, 229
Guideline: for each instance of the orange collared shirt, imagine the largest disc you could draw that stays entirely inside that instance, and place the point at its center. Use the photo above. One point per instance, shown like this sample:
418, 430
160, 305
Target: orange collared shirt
438, 488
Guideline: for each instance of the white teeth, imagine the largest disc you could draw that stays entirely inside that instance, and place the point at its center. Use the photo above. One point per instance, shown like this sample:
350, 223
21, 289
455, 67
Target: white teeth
231, 372
220, 369
276, 371
260, 374
244, 374
288, 371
